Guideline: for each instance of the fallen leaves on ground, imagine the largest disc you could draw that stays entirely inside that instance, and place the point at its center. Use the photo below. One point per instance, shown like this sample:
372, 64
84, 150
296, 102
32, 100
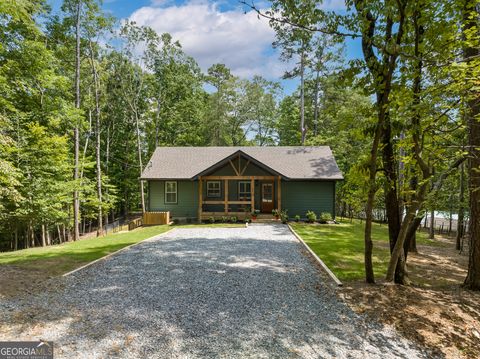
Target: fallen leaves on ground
435, 311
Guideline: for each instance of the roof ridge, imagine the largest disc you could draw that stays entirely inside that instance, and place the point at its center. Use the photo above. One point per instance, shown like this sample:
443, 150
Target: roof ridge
293, 162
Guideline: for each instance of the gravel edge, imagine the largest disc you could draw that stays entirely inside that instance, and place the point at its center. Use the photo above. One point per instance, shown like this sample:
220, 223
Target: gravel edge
115, 253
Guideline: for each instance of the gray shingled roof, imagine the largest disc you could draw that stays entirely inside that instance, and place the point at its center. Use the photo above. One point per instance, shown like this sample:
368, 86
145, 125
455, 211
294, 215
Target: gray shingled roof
292, 162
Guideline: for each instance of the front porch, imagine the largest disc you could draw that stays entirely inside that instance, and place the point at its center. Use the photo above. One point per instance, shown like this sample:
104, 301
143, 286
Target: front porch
238, 195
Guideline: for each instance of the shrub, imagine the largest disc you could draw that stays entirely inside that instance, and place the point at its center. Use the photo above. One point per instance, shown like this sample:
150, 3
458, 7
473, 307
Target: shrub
311, 216
176, 221
275, 212
297, 218
325, 217
211, 219
224, 219
284, 216
233, 219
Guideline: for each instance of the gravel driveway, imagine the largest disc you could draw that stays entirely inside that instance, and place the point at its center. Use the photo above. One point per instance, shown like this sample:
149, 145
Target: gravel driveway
203, 293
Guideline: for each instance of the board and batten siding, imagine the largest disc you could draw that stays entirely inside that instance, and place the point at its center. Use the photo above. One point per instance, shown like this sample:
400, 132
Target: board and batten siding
187, 199
298, 197
250, 170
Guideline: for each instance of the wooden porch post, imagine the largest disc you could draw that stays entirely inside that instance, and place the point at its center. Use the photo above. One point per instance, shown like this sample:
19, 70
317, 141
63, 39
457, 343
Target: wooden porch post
226, 195
279, 193
252, 192
200, 198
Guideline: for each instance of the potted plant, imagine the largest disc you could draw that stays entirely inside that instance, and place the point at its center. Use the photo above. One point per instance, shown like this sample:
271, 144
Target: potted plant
276, 213
254, 214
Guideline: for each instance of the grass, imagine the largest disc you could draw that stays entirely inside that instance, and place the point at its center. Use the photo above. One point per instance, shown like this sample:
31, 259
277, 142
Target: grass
58, 259
62, 258
341, 247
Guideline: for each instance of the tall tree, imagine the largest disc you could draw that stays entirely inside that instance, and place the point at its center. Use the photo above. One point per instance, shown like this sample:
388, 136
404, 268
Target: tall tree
471, 36
95, 25
134, 86
295, 43
221, 104
382, 67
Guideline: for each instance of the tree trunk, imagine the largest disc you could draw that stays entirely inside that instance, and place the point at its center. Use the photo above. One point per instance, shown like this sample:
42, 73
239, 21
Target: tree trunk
32, 235
107, 159
315, 104
44, 240
382, 70
139, 148
372, 189
472, 281
411, 239
98, 143
450, 216
461, 210
431, 230
59, 234
64, 233
392, 204
401, 176
398, 258
16, 238
76, 200
157, 122
302, 96
406, 232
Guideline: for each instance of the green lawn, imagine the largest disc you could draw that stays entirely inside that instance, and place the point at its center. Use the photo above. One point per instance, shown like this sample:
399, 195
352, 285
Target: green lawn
59, 259
341, 247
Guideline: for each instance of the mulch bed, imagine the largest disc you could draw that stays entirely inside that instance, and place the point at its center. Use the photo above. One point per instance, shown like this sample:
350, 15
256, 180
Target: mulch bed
435, 311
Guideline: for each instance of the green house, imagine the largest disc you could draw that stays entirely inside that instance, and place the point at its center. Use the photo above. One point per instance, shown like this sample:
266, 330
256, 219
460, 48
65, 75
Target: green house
196, 183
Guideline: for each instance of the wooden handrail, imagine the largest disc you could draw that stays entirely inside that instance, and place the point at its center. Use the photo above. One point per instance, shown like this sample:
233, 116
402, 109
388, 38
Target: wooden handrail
239, 177
228, 202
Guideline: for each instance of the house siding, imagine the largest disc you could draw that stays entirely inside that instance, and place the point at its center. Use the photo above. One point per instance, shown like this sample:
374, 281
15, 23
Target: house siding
187, 199
298, 197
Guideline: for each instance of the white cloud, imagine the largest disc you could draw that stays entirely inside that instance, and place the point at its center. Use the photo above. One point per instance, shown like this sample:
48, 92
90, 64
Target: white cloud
240, 41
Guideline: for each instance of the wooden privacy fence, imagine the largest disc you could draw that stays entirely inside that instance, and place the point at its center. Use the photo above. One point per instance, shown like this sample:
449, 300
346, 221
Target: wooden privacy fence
152, 218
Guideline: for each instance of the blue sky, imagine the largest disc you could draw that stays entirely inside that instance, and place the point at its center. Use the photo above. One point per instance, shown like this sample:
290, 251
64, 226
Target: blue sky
217, 32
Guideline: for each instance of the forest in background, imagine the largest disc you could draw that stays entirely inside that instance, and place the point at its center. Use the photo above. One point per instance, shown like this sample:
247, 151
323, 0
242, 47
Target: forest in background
87, 98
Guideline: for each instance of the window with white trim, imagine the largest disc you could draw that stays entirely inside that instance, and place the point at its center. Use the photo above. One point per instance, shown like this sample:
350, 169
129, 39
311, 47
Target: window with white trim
170, 192
244, 190
213, 189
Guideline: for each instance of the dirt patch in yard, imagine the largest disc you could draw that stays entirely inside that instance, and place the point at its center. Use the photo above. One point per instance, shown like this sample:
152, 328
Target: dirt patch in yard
20, 281
435, 310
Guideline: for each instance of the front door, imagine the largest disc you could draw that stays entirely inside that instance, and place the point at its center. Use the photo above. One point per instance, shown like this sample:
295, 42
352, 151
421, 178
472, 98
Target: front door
267, 197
